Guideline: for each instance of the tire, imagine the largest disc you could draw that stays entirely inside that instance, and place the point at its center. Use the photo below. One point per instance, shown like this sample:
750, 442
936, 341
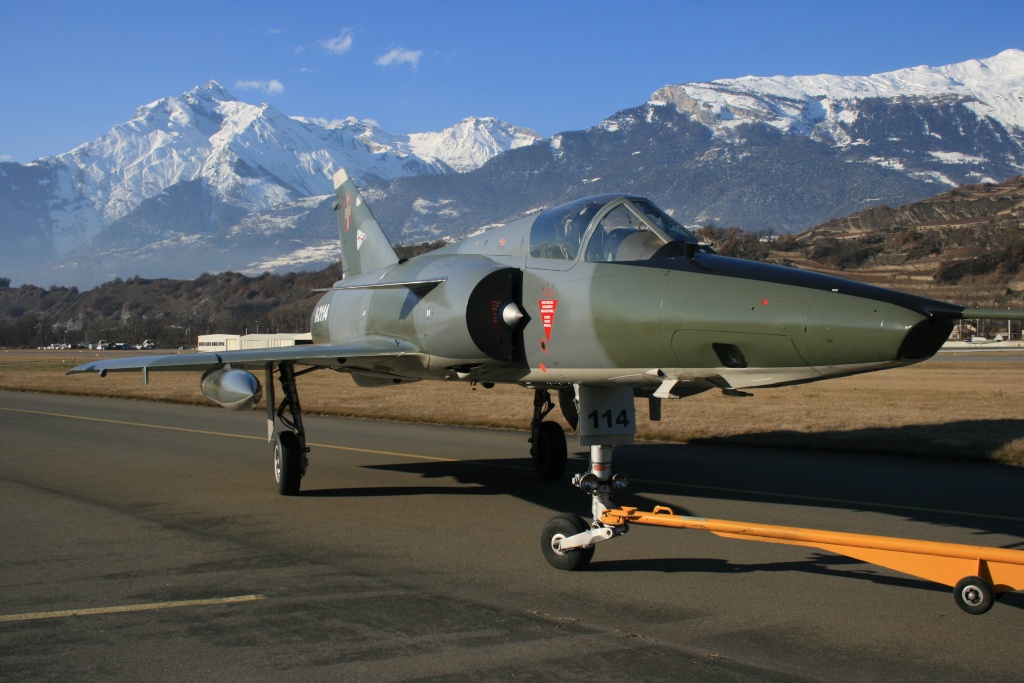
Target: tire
561, 527
287, 463
549, 451
974, 595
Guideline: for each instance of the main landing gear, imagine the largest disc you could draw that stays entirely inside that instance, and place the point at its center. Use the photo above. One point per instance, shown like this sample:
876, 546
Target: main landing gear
289, 444
547, 439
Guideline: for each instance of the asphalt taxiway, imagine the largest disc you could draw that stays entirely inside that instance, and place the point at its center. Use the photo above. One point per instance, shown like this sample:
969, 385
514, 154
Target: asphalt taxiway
146, 541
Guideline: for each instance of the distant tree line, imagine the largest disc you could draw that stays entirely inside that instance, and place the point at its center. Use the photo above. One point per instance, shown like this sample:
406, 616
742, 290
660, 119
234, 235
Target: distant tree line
172, 312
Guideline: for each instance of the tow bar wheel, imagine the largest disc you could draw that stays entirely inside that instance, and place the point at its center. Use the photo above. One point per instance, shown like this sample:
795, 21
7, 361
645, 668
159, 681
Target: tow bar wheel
973, 595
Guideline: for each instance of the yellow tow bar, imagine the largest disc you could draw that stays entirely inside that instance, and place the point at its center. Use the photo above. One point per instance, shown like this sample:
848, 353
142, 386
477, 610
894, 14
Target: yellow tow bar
976, 573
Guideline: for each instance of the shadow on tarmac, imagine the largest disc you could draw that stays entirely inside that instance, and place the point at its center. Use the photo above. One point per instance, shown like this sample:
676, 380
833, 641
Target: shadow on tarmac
931, 492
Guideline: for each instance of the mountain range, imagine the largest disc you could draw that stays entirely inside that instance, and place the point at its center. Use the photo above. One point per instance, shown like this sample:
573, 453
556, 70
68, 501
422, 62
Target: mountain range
205, 182
964, 245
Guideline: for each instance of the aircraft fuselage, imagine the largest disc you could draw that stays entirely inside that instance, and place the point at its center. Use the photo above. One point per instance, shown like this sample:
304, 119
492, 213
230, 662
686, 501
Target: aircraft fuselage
692, 318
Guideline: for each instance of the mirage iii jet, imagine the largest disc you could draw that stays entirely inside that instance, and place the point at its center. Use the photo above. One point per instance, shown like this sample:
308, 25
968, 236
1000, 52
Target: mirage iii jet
600, 301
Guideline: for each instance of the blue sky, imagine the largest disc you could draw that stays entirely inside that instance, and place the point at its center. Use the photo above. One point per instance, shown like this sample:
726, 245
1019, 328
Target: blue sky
73, 69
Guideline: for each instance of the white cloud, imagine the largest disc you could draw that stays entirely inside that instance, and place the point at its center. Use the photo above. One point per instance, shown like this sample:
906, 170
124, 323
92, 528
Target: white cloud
340, 44
271, 87
6, 157
400, 56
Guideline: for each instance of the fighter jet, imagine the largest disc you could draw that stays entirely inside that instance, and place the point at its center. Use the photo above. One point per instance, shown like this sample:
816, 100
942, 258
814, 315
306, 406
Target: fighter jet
601, 302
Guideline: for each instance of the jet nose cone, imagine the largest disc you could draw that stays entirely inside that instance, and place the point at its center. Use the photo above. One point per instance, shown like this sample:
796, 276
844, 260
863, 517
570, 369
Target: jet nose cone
925, 339
850, 330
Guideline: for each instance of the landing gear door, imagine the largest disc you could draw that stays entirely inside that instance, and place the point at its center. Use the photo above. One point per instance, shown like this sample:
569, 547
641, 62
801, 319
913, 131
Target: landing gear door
607, 416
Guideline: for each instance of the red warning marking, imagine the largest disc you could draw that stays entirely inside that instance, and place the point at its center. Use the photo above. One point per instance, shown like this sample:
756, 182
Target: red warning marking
547, 315
764, 302
544, 369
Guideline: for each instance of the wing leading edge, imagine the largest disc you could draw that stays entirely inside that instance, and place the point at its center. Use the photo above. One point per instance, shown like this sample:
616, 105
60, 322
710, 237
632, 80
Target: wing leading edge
303, 354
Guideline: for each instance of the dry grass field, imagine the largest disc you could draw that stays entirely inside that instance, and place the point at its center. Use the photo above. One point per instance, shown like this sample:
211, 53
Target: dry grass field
961, 407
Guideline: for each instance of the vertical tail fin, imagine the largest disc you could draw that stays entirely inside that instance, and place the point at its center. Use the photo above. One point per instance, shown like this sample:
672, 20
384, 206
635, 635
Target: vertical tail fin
364, 246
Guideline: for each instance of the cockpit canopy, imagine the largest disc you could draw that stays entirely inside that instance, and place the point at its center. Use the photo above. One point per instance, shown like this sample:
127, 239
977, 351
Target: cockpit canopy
613, 228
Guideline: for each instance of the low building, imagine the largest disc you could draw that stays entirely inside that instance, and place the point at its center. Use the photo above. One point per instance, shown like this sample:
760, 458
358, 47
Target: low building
218, 342
235, 342
271, 341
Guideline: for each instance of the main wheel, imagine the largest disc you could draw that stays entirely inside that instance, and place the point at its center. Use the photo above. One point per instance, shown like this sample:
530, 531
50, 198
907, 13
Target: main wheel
973, 595
288, 463
561, 527
549, 451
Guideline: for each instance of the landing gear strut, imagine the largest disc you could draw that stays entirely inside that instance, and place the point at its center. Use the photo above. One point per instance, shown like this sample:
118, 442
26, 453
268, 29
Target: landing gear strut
567, 541
548, 447
290, 448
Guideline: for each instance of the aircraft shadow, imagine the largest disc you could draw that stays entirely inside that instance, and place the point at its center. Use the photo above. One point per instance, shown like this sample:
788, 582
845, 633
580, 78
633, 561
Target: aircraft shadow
826, 565
817, 563
933, 492
983, 439
980, 496
389, 491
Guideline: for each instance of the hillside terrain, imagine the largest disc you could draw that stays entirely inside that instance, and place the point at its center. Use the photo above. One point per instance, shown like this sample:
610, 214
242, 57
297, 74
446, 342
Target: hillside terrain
965, 246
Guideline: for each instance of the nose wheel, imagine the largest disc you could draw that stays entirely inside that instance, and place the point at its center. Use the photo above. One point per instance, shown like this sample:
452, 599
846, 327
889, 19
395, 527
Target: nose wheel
567, 541
555, 532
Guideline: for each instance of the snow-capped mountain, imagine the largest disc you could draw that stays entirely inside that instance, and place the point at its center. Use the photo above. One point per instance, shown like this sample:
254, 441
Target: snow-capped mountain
832, 109
205, 182
780, 154
247, 157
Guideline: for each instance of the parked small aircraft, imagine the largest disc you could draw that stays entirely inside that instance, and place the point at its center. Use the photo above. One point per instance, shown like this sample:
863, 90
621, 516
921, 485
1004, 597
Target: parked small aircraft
601, 301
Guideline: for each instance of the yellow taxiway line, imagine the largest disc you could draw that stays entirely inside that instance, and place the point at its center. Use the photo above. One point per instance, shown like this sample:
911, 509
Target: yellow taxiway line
414, 456
121, 609
224, 434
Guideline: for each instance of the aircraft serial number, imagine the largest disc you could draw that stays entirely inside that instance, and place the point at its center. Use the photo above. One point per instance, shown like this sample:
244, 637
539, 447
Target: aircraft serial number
622, 419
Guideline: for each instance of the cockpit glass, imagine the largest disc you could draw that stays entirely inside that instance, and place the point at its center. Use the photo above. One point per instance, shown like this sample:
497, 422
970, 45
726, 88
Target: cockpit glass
665, 222
558, 232
628, 229
636, 230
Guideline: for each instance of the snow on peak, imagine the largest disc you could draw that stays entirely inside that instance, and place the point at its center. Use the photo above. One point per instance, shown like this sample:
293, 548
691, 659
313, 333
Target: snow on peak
794, 102
252, 156
471, 142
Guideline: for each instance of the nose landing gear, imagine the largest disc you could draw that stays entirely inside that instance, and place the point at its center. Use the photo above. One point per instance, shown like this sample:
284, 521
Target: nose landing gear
567, 540
606, 418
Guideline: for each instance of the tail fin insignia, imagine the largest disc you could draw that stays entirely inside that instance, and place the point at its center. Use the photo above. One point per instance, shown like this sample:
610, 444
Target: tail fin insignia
364, 246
